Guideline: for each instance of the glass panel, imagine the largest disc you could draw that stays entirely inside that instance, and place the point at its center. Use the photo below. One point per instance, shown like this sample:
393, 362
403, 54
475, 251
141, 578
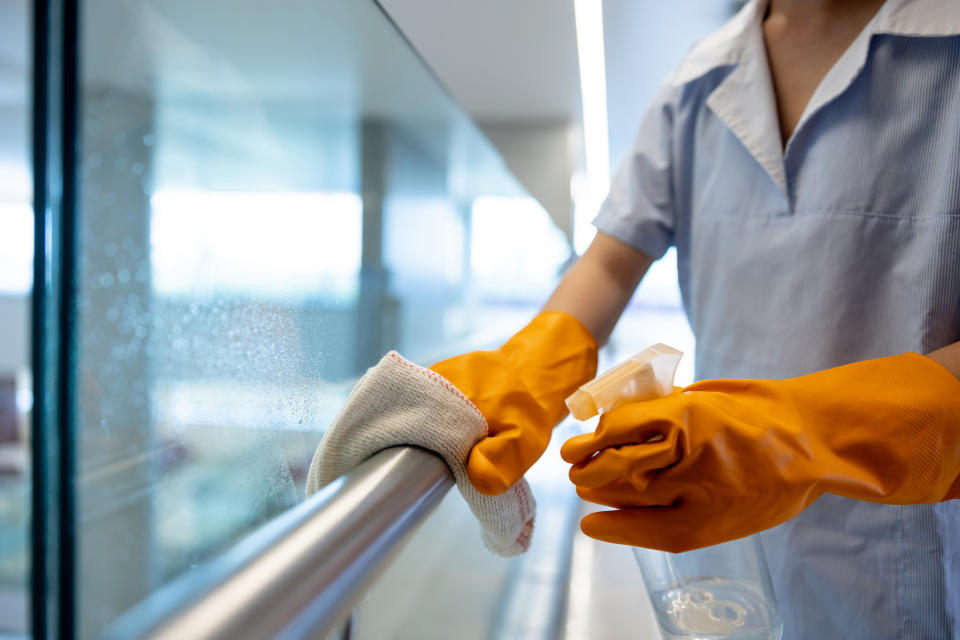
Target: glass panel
272, 196
16, 276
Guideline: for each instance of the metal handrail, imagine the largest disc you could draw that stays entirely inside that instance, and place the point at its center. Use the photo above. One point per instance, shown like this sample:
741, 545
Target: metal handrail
300, 575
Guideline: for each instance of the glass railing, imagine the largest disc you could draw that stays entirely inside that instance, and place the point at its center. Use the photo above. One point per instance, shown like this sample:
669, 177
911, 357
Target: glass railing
271, 196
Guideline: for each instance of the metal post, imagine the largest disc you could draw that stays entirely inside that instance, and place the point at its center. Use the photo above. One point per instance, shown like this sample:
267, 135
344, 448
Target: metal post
54, 152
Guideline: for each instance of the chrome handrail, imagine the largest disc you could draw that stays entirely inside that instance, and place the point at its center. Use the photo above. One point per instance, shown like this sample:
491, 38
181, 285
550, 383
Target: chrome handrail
301, 574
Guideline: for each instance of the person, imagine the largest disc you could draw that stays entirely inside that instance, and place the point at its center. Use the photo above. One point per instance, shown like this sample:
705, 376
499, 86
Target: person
805, 162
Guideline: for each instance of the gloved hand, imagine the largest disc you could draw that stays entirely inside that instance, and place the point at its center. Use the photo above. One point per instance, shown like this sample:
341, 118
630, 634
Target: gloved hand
520, 388
727, 458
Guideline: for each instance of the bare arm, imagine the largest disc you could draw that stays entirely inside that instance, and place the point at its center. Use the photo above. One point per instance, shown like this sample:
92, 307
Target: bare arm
598, 287
949, 357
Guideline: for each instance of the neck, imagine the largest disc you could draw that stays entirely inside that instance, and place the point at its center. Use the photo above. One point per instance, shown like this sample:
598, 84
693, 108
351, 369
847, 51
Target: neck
806, 9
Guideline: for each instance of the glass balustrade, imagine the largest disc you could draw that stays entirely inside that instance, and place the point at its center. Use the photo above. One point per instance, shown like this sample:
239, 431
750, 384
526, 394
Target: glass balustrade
272, 195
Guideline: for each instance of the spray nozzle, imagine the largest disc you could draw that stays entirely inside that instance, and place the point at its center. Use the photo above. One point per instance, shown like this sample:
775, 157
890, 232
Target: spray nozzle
644, 376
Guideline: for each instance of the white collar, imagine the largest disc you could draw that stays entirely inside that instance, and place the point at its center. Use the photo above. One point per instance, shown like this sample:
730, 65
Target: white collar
920, 18
744, 99
727, 45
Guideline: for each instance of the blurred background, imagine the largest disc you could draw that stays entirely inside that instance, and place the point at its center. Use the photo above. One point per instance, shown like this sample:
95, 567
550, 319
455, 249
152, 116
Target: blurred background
272, 195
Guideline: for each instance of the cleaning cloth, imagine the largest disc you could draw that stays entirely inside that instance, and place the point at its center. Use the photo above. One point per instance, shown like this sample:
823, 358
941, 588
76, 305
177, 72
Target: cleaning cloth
399, 403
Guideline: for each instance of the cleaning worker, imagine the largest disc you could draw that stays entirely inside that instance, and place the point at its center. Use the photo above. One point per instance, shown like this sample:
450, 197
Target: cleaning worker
805, 162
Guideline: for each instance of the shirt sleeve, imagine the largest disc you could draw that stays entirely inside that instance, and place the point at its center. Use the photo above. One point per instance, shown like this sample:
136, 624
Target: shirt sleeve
639, 210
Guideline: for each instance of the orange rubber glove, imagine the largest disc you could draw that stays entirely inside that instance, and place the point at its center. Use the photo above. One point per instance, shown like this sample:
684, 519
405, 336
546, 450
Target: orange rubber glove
726, 458
520, 388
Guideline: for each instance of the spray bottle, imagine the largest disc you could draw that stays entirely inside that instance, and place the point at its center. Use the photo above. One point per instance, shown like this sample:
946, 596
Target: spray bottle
723, 591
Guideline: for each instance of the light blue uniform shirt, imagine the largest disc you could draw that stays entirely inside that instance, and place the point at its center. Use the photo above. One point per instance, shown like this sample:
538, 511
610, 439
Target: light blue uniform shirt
842, 247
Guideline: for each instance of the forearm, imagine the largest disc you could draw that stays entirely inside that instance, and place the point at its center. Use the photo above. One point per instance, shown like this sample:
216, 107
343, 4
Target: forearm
948, 357
598, 287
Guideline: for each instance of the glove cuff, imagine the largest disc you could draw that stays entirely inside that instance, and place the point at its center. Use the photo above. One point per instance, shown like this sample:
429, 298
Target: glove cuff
893, 427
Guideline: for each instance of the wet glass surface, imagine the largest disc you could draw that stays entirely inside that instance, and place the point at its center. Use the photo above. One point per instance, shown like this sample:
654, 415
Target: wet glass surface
272, 196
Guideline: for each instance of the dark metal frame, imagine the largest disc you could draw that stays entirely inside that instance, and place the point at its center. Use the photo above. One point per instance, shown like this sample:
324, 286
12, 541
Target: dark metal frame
54, 155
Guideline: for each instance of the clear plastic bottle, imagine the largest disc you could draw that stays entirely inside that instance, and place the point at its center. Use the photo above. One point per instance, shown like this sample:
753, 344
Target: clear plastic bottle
723, 591
719, 592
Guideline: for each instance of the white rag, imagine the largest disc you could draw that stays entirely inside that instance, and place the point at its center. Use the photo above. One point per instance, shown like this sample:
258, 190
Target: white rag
399, 403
